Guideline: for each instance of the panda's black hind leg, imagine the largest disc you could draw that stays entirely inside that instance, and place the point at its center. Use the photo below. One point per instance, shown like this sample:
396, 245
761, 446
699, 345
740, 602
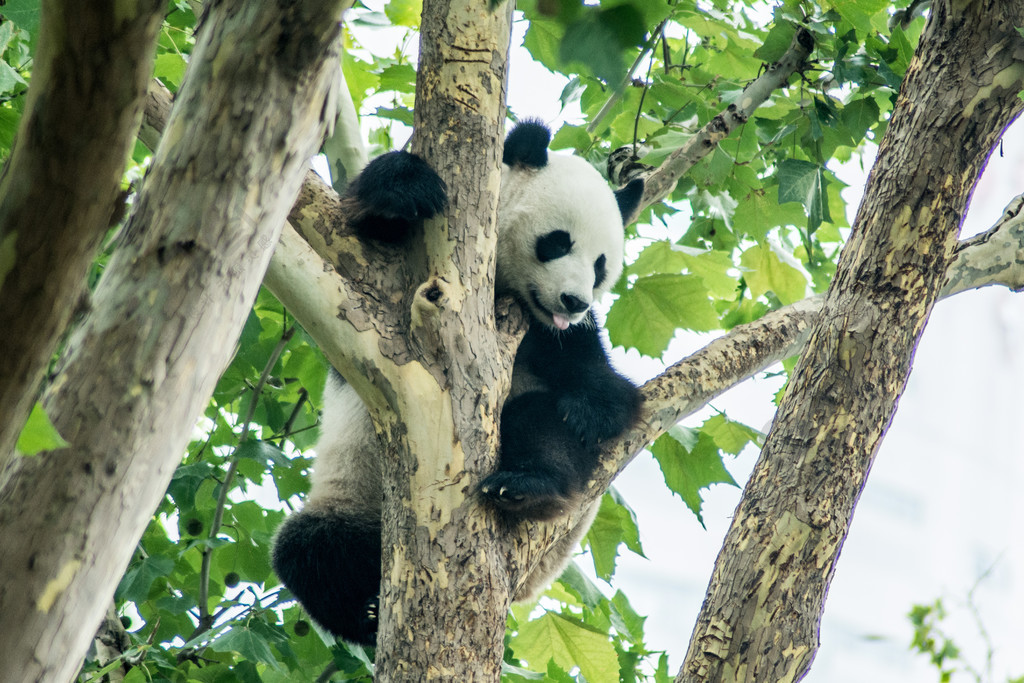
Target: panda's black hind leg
529, 495
543, 464
331, 563
394, 193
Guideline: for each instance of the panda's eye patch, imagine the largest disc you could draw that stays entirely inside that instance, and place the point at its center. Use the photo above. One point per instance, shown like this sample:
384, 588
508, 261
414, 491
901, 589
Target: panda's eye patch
600, 273
555, 244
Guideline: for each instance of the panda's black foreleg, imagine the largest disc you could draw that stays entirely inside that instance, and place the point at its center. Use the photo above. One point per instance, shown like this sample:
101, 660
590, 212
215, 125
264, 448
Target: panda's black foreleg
394, 193
331, 563
591, 398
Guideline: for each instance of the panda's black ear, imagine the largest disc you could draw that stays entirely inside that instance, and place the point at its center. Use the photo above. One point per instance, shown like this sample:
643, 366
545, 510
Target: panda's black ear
629, 197
527, 144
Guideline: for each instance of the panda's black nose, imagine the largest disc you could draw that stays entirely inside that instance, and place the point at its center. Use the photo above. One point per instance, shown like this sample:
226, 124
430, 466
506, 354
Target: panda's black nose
574, 304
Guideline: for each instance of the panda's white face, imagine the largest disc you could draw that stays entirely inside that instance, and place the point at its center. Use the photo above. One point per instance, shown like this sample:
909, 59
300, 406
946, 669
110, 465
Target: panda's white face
560, 238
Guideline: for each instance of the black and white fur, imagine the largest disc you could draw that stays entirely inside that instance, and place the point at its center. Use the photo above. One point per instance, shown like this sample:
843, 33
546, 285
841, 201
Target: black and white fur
560, 243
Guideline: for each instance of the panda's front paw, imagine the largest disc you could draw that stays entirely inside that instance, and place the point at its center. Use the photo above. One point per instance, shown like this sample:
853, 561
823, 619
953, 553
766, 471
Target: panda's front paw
525, 495
392, 194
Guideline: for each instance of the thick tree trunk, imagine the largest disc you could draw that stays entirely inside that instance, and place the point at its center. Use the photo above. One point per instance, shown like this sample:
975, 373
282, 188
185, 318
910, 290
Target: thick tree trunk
59, 187
164, 322
445, 596
761, 615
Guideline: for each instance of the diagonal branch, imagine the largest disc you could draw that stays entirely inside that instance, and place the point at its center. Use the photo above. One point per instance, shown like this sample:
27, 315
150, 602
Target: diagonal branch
663, 180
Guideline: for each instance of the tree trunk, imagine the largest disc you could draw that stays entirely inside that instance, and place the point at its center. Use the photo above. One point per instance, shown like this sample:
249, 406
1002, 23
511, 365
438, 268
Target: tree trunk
60, 184
761, 615
165, 318
446, 591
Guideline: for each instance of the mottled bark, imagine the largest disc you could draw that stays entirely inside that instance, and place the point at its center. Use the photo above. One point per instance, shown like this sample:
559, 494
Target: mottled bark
761, 615
445, 593
163, 324
60, 184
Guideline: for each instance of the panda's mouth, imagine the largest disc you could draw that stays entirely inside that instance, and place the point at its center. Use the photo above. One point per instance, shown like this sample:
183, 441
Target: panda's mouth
559, 320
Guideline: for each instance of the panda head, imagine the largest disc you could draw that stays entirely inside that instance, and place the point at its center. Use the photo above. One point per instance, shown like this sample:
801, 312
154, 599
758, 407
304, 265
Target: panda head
560, 228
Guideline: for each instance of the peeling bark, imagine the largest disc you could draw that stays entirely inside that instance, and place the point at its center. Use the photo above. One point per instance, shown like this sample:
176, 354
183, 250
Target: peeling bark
445, 593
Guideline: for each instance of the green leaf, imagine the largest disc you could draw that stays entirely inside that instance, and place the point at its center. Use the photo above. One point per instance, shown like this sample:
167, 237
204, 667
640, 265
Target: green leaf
804, 182
859, 12
404, 12
778, 40
730, 436
765, 272
615, 524
688, 470
139, 578
170, 67
734, 62
186, 482
25, 14
571, 137
599, 36
248, 643
711, 266
759, 212
39, 434
9, 78
648, 314
569, 644
860, 116
262, 452
359, 77
398, 77
542, 40
625, 618
580, 586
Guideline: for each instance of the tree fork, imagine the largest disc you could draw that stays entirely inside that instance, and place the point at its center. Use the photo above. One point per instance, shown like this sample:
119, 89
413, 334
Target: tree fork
761, 615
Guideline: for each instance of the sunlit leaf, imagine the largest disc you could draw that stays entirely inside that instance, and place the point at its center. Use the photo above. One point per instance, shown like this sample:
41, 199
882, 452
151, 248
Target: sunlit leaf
687, 470
765, 272
647, 315
569, 643
39, 434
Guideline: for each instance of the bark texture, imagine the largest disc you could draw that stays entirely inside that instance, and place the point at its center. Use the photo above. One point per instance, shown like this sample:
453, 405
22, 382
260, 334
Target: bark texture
164, 321
760, 618
60, 184
445, 593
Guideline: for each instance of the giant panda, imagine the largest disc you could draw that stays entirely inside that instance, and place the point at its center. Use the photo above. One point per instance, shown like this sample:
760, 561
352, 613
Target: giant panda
560, 247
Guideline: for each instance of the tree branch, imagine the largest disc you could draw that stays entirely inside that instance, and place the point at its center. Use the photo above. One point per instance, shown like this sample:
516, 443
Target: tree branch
995, 257
59, 187
164, 321
662, 181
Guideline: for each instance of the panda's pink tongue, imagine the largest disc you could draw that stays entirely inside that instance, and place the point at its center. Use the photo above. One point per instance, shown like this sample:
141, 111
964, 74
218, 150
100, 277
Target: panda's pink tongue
561, 322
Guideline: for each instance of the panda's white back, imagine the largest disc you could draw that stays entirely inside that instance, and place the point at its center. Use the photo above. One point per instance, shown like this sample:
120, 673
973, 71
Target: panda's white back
347, 471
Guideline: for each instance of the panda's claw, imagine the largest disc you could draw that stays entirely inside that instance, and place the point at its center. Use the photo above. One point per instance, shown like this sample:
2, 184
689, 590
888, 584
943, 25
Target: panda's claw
530, 495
